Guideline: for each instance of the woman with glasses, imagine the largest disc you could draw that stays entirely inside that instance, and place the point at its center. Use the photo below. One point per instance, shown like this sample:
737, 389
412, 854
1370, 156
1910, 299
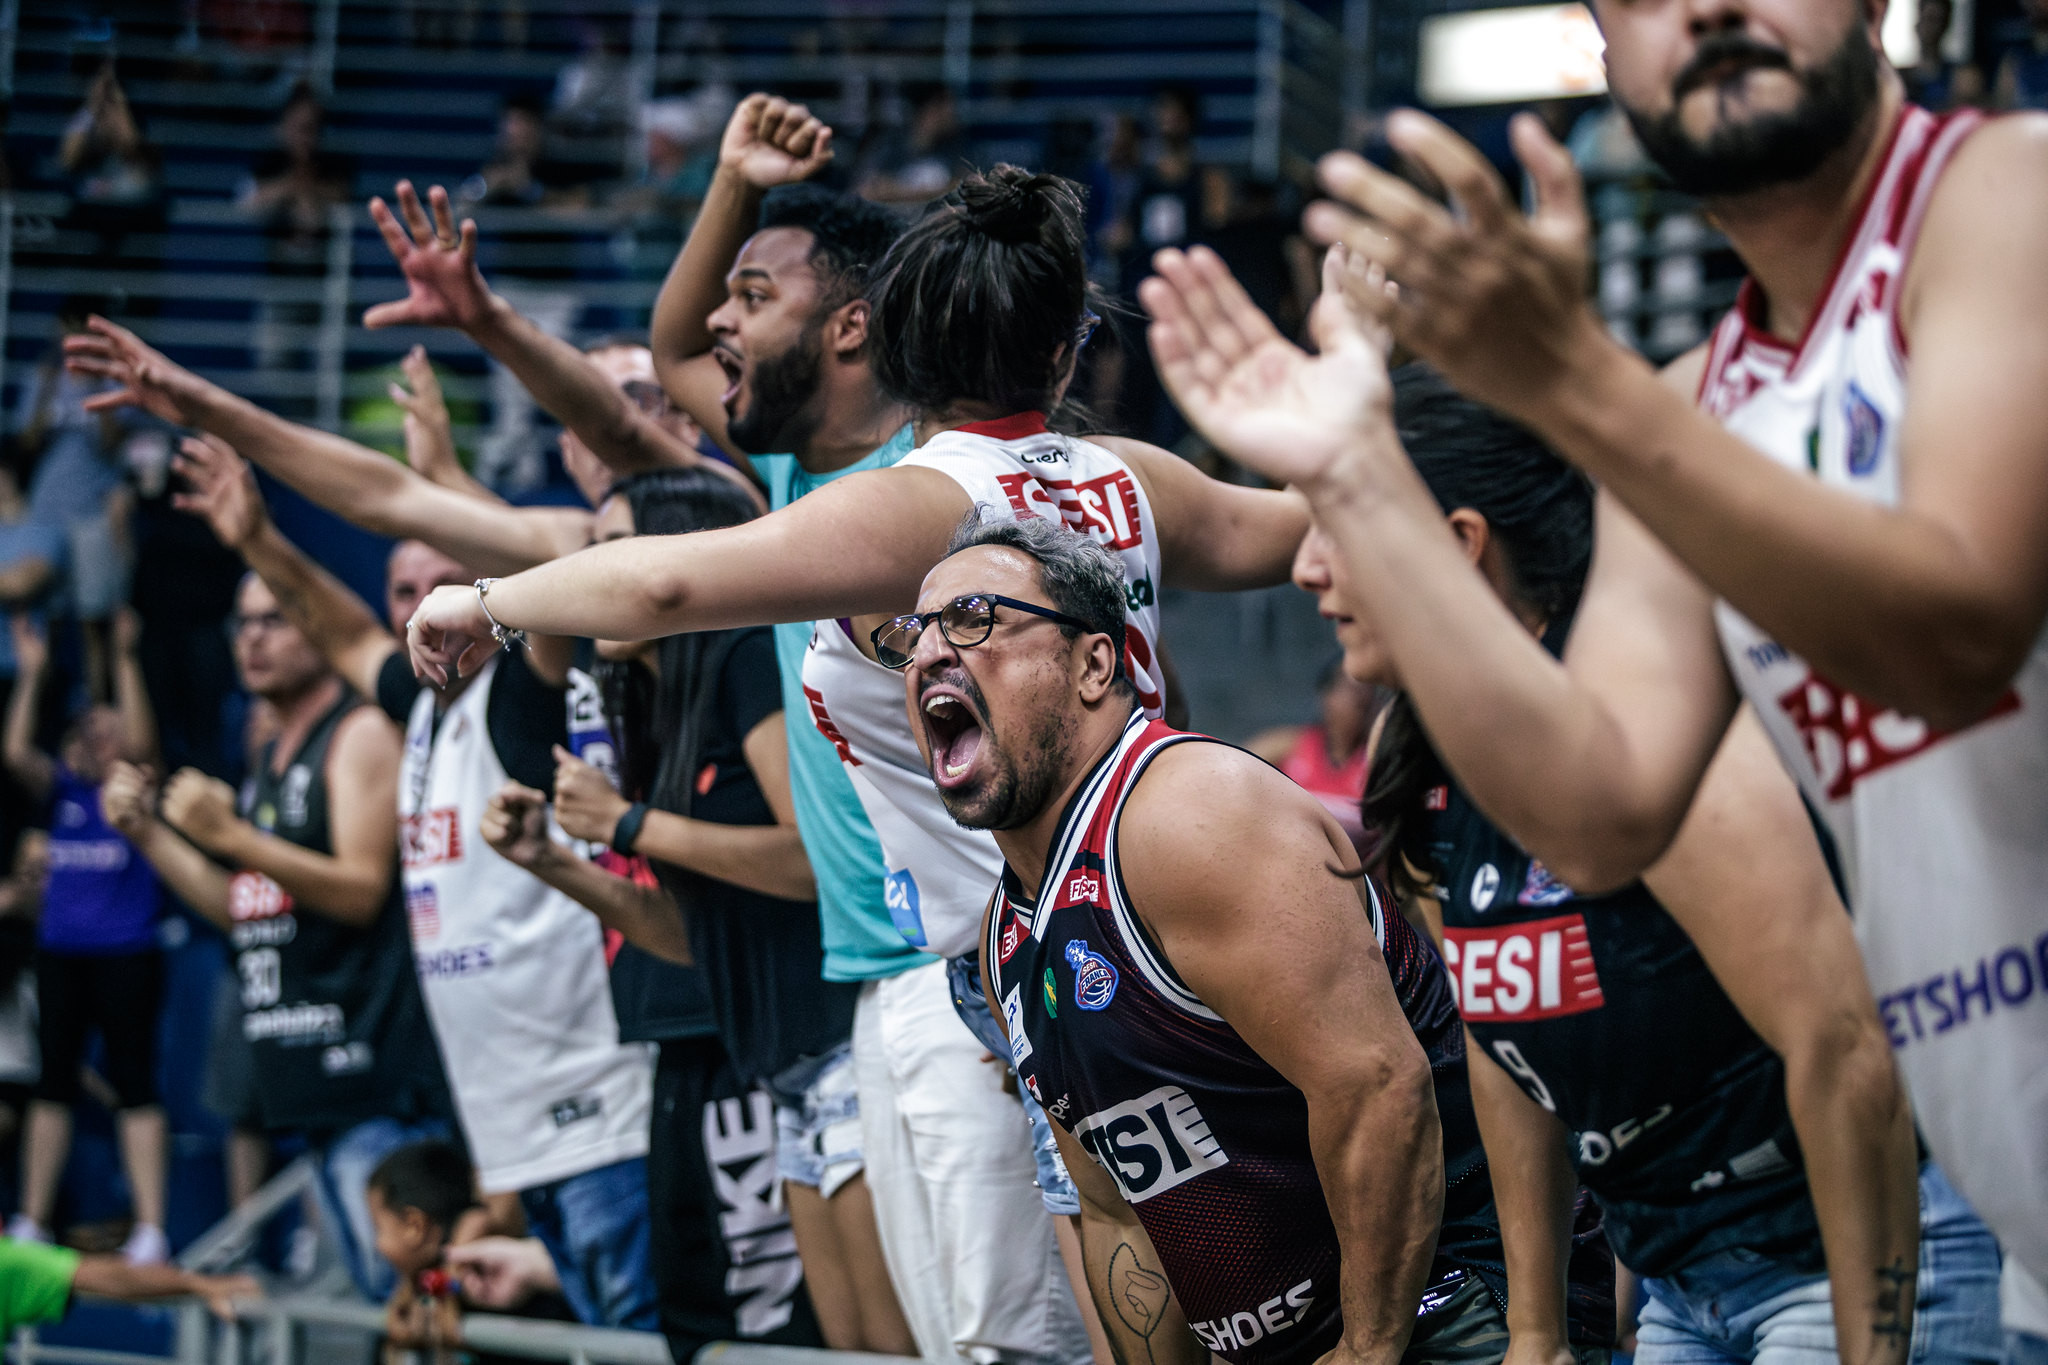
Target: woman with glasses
978, 316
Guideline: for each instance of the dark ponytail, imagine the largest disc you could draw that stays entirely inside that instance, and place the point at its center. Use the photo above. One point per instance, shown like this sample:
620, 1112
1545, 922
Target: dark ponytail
1539, 510
657, 746
982, 300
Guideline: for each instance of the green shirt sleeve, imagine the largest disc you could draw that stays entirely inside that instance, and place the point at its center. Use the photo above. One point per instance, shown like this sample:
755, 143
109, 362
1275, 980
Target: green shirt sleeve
35, 1282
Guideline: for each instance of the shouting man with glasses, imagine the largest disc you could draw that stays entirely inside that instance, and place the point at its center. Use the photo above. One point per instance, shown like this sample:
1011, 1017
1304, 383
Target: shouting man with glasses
1235, 1036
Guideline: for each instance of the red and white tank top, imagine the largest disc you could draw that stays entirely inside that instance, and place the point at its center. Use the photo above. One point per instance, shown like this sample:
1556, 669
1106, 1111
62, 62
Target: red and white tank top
937, 875
1943, 836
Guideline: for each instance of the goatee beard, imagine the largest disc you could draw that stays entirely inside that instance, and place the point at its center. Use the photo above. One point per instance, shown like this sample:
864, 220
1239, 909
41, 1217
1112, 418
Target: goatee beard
1769, 149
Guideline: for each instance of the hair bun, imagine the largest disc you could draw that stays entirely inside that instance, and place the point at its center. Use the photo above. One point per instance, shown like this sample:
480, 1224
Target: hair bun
1011, 204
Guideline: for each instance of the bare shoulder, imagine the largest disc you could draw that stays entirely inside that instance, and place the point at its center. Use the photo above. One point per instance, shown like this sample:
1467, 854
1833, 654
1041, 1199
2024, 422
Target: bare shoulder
1988, 199
366, 735
1207, 811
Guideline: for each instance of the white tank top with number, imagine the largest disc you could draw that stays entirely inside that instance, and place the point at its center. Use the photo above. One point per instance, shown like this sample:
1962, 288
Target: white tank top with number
1943, 836
938, 875
513, 971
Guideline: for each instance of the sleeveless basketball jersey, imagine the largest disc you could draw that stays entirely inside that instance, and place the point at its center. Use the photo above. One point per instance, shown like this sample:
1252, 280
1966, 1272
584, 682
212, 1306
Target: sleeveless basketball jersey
1207, 1142
513, 971
1943, 836
938, 874
332, 1012
1604, 1012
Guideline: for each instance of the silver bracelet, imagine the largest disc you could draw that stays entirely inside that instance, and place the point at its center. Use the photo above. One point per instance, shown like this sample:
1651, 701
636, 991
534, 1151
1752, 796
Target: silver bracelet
499, 633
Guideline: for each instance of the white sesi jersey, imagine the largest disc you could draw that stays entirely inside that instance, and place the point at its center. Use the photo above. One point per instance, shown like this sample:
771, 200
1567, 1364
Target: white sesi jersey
938, 875
513, 971
1943, 836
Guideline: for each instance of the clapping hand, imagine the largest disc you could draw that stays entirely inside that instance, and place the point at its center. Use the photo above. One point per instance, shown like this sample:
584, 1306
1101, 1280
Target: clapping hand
1493, 298
1293, 417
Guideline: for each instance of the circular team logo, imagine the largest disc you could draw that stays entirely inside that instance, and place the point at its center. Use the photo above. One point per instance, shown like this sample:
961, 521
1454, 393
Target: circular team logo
1485, 885
1094, 976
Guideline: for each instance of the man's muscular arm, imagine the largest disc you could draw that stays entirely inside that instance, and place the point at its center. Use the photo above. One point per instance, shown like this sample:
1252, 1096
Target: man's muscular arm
1233, 870
1929, 606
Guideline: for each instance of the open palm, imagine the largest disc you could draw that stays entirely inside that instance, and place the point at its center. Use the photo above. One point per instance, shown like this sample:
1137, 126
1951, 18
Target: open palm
221, 490
1257, 396
443, 287
143, 376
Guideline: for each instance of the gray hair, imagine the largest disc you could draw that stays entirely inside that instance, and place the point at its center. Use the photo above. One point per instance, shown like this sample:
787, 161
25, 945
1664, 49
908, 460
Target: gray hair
1084, 580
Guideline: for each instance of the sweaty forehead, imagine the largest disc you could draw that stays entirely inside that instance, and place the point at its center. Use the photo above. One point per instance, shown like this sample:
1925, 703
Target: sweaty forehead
783, 254
983, 568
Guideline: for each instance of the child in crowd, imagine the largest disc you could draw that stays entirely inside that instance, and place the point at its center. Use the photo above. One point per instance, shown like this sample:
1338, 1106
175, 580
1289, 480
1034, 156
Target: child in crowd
418, 1196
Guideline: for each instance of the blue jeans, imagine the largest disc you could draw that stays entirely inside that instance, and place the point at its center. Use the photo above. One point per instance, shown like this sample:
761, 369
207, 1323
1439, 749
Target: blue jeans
342, 1183
594, 1226
1740, 1306
1055, 1186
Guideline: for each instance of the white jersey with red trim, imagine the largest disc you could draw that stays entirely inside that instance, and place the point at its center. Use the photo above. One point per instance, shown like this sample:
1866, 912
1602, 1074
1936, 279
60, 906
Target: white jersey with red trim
1943, 836
938, 875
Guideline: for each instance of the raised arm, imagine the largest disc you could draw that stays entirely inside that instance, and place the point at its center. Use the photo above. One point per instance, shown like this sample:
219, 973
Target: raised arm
350, 885
131, 693
1237, 886
768, 142
1745, 879
352, 481
332, 618
859, 545
444, 288
515, 823
1589, 765
31, 766
1929, 606
429, 435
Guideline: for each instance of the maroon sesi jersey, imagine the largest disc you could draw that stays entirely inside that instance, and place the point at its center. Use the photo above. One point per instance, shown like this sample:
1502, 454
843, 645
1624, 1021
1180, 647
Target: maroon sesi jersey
1207, 1142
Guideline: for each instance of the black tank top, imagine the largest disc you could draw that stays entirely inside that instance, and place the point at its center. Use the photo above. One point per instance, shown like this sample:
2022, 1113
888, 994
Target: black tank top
1605, 1013
1207, 1142
333, 1014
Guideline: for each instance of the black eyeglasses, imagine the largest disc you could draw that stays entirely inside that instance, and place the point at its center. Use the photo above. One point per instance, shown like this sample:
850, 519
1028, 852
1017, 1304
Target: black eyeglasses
964, 621
262, 620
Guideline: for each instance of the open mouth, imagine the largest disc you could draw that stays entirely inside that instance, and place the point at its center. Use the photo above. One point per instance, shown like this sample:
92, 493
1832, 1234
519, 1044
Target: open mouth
953, 732
733, 368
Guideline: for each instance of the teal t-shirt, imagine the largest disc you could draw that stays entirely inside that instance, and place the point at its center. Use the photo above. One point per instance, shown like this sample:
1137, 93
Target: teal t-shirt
861, 943
35, 1283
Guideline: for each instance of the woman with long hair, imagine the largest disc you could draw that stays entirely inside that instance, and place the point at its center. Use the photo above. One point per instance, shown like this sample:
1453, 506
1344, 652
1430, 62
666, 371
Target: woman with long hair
1700, 1044
686, 785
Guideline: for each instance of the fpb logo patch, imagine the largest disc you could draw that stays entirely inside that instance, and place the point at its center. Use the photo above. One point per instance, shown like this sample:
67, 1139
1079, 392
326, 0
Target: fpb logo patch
1095, 976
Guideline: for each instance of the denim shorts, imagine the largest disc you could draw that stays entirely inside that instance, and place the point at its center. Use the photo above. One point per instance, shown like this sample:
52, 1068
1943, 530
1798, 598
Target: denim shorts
817, 1121
1738, 1305
1055, 1186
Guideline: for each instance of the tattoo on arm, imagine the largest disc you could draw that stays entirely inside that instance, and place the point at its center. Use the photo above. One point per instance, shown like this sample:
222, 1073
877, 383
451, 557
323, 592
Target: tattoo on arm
1895, 1287
1138, 1295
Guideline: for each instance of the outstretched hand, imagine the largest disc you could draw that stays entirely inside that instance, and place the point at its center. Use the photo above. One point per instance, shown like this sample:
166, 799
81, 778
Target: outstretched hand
1493, 298
1265, 402
143, 376
222, 490
429, 435
771, 142
443, 287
